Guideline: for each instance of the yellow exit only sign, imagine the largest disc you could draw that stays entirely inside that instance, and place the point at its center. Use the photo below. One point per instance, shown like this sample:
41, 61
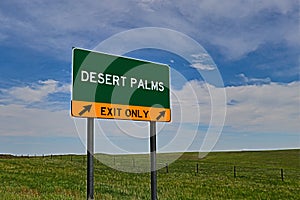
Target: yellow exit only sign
115, 111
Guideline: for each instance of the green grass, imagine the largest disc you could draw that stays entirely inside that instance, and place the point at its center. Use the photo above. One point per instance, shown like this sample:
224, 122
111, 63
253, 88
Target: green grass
258, 176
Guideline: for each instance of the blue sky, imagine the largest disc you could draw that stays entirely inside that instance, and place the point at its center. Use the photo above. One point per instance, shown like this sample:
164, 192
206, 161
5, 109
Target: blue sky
255, 46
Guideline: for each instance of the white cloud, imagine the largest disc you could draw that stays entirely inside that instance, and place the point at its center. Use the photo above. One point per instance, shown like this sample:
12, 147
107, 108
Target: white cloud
239, 27
271, 108
266, 108
255, 81
203, 66
35, 92
18, 120
202, 61
236, 27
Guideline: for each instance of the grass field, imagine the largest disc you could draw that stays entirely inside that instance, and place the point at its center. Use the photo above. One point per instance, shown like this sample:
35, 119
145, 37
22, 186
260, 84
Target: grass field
258, 176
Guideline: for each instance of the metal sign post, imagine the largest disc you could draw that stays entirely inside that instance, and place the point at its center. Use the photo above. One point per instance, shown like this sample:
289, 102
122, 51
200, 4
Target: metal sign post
90, 158
153, 160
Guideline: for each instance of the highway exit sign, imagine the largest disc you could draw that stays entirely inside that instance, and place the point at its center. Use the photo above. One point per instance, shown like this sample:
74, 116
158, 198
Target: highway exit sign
115, 87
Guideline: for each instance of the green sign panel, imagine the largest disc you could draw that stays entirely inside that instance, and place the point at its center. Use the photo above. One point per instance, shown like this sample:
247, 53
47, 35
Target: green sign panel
113, 82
